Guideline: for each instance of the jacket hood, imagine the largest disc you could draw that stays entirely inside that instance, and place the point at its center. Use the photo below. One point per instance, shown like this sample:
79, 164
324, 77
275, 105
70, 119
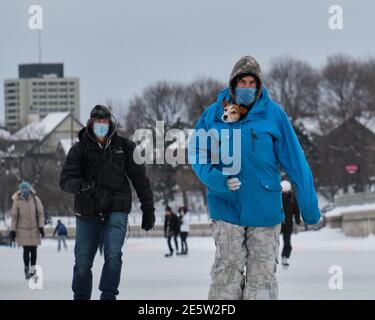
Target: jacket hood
87, 132
17, 194
246, 65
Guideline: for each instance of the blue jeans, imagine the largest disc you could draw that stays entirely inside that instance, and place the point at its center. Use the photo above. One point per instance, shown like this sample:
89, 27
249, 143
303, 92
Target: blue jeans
59, 240
88, 232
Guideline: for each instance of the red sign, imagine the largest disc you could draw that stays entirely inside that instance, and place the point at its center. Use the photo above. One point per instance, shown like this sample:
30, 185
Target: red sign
351, 168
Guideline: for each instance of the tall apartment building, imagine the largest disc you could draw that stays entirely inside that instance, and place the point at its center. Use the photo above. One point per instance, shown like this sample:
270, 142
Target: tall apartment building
41, 88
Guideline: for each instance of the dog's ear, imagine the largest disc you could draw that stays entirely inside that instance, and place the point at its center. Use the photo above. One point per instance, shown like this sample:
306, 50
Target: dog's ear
225, 103
243, 110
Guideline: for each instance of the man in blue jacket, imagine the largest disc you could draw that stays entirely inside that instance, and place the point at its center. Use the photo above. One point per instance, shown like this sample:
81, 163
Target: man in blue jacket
244, 200
62, 233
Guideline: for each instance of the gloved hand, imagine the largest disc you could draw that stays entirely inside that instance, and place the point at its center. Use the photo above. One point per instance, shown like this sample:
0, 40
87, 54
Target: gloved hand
233, 184
87, 188
148, 219
12, 235
41, 230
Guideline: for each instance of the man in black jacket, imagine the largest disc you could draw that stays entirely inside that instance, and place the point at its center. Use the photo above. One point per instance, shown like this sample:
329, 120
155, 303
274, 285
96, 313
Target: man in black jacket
97, 171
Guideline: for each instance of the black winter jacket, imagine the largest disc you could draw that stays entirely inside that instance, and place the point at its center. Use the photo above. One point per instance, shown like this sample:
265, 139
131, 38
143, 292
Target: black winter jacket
172, 224
110, 169
291, 212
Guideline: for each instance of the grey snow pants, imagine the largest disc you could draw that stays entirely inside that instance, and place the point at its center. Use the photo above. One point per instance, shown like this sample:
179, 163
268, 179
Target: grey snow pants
245, 262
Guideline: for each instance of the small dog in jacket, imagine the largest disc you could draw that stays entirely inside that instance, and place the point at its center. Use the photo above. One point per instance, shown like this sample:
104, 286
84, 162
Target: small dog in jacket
232, 112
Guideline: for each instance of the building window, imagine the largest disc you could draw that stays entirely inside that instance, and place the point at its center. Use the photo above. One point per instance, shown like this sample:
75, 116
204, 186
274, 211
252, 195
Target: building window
10, 84
63, 89
71, 83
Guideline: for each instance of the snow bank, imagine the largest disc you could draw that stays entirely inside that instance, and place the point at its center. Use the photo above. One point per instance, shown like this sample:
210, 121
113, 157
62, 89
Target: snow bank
354, 208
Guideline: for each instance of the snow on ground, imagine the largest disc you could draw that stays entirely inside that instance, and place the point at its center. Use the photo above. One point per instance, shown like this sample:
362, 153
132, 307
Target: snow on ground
148, 275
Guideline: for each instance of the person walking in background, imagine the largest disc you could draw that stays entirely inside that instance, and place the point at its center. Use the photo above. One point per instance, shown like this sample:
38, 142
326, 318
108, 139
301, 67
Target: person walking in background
291, 212
171, 229
62, 233
184, 228
27, 225
98, 170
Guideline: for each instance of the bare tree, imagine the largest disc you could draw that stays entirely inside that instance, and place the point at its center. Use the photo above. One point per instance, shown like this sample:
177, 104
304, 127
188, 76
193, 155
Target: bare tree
295, 85
367, 84
199, 95
341, 88
160, 102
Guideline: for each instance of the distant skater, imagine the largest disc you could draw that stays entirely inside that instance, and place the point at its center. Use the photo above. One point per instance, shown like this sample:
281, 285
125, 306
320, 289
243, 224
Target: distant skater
62, 233
171, 229
184, 229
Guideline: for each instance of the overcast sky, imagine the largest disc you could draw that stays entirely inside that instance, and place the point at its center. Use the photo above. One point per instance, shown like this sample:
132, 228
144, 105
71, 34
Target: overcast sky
117, 48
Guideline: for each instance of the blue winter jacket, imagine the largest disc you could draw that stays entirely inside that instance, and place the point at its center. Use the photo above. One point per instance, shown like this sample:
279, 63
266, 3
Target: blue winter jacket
267, 141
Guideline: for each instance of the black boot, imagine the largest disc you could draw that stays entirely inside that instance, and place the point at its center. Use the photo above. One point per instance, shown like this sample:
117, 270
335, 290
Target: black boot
27, 274
170, 254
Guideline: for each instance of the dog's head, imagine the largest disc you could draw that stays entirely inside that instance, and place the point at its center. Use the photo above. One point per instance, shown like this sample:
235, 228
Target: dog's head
232, 112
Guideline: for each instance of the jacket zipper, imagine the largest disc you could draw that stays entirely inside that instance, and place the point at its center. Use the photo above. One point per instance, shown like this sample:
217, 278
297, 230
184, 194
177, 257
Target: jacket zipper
253, 138
99, 180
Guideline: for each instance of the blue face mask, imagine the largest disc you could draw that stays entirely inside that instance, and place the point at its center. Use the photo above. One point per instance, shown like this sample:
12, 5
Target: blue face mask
101, 129
245, 96
25, 194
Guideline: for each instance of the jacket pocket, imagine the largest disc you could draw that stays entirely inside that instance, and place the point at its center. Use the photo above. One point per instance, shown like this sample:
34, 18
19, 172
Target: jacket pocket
85, 205
121, 202
270, 185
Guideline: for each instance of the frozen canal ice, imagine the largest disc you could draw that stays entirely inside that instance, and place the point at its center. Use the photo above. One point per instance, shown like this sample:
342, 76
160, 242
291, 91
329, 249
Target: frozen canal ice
147, 274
